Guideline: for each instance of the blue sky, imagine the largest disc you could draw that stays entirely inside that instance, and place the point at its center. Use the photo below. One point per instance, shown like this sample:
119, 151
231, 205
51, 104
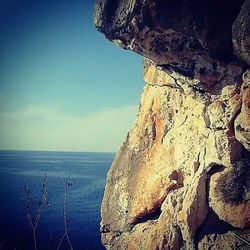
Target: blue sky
62, 85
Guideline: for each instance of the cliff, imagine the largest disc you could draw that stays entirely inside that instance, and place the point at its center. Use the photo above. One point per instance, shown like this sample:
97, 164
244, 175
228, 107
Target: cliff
181, 179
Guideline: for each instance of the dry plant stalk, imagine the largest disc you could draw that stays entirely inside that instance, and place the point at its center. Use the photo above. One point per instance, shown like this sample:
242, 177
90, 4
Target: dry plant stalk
66, 230
67, 186
34, 209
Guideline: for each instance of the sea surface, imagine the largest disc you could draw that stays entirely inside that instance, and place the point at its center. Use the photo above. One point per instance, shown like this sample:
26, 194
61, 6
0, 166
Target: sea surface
87, 173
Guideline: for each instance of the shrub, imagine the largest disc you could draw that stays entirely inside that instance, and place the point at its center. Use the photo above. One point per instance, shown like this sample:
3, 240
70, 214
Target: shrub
234, 186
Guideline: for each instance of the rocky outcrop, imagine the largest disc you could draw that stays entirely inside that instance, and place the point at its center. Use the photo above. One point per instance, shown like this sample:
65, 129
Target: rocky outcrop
241, 33
229, 194
225, 241
186, 160
242, 122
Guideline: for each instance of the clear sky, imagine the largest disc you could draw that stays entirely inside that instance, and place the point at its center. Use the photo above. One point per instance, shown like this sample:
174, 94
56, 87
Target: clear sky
63, 86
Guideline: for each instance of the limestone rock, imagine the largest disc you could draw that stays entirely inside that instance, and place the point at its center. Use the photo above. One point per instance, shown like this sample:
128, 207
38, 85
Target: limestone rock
186, 34
192, 127
224, 241
165, 31
162, 169
241, 33
242, 122
229, 196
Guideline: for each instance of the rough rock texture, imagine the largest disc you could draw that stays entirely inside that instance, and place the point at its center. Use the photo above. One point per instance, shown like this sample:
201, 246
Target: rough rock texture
181, 178
242, 122
241, 33
186, 34
224, 241
229, 194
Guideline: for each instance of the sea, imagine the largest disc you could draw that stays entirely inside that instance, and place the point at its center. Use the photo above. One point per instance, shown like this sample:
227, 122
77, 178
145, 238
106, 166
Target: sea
86, 173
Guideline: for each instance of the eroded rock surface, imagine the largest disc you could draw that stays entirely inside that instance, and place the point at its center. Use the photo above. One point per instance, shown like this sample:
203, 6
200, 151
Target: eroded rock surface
192, 128
241, 33
242, 122
224, 241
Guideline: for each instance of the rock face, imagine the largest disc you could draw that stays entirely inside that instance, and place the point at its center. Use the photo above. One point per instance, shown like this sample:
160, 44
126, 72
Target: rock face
242, 123
241, 33
181, 180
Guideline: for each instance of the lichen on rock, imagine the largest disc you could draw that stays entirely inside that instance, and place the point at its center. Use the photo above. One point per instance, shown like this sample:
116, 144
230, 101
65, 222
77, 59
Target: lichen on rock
182, 161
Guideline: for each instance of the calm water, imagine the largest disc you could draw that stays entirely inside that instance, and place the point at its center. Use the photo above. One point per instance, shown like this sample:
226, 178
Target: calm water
87, 172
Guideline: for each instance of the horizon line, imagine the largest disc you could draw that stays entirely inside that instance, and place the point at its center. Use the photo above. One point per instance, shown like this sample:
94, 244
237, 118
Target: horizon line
69, 151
